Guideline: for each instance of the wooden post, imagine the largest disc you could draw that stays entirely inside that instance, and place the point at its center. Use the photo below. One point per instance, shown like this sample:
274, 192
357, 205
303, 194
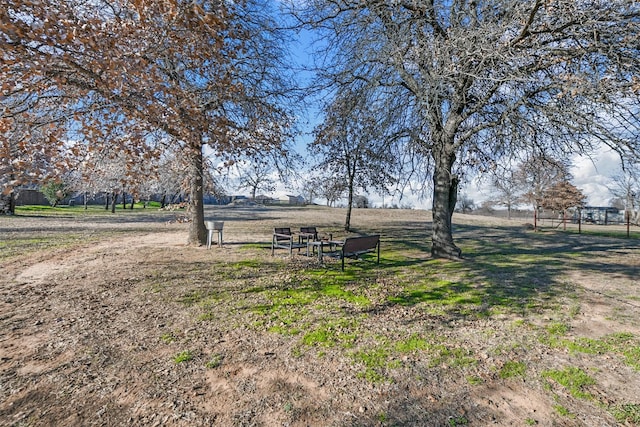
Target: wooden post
627, 215
579, 221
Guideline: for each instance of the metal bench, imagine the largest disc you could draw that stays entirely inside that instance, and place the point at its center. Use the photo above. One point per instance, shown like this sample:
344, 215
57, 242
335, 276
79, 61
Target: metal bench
353, 247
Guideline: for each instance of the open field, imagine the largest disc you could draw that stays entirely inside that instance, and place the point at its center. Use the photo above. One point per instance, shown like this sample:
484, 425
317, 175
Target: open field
112, 320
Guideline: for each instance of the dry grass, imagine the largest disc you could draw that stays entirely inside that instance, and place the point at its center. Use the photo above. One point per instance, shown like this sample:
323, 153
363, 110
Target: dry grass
112, 320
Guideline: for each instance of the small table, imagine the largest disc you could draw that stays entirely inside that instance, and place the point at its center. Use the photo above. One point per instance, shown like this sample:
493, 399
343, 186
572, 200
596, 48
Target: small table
320, 244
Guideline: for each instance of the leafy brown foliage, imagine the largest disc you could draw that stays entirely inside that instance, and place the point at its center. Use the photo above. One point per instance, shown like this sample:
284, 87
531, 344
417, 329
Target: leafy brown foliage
125, 76
562, 196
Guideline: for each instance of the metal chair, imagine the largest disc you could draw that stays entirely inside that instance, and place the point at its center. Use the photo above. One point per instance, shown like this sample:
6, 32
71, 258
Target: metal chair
283, 238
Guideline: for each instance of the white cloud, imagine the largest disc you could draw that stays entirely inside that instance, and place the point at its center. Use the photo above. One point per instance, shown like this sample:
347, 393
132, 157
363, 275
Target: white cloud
594, 175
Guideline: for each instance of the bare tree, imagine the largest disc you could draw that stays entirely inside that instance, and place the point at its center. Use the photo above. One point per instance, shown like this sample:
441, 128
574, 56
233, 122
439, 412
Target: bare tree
465, 204
331, 188
353, 145
360, 201
480, 79
310, 185
508, 190
626, 188
536, 174
256, 176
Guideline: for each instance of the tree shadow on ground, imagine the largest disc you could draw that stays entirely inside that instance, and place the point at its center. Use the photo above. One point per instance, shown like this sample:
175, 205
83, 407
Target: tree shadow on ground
529, 253
503, 267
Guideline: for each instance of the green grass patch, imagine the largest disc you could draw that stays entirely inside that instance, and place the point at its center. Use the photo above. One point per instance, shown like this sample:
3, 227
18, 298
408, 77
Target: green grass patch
168, 337
627, 413
452, 356
619, 338
624, 344
206, 317
441, 292
337, 291
575, 380
255, 246
247, 263
63, 210
558, 329
183, 356
616, 234
332, 333
512, 369
323, 277
412, 344
553, 335
286, 304
457, 421
253, 269
387, 354
286, 320
563, 411
376, 362
632, 357
293, 297
589, 346
519, 323
474, 380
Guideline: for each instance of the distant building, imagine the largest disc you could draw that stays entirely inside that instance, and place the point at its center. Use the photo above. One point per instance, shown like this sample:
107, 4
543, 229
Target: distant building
264, 200
602, 215
212, 199
30, 196
295, 200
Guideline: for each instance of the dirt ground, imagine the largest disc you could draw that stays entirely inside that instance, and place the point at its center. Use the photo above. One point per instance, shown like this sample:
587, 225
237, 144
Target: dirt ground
90, 330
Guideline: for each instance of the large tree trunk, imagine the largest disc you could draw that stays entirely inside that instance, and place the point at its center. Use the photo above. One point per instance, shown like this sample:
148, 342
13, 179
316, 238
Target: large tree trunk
7, 203
197, 230
445, 191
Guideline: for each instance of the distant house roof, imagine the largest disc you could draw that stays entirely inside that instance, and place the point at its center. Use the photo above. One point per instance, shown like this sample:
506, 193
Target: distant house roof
611, 209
